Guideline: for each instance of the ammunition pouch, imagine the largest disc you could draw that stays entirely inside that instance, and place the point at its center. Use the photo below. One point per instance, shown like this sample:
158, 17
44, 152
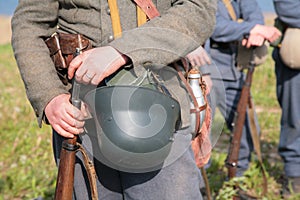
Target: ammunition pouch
62, 49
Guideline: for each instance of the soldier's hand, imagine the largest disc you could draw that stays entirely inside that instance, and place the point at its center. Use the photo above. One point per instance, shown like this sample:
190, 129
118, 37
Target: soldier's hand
94, 65
253, 40
198, 57
65, 119
269, 33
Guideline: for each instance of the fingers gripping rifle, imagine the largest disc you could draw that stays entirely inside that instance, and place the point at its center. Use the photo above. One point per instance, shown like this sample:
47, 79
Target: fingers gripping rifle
65, 177
239, 121
66, 168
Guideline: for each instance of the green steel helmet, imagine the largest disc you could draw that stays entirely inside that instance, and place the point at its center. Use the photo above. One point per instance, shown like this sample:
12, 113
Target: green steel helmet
134, 126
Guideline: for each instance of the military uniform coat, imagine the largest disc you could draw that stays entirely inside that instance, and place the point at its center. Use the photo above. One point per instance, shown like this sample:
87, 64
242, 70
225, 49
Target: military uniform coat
229, 32
181, 28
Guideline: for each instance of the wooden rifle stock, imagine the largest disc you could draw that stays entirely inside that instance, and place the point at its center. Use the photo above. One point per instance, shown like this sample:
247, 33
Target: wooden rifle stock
65, 177
239, 121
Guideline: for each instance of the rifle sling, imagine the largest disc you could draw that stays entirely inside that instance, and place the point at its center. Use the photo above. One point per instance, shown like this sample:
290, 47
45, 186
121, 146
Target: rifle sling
251, 112
256, 143
89, 166
255, 139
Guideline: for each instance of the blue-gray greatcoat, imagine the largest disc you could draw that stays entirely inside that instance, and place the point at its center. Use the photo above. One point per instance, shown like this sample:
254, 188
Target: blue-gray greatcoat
288, 94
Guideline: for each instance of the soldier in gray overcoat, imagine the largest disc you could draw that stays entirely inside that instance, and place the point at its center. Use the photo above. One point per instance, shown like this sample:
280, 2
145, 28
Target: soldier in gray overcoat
183, 25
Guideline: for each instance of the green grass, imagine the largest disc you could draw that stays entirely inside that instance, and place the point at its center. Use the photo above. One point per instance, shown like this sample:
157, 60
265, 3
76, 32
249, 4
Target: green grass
263, 91
27, 165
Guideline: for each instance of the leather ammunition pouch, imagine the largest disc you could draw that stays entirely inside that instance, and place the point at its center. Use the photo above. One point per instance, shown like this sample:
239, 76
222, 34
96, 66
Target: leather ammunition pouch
62, 49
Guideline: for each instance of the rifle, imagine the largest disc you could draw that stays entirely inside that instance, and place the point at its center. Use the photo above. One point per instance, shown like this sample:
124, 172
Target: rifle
65, 177
239, 121
245, 102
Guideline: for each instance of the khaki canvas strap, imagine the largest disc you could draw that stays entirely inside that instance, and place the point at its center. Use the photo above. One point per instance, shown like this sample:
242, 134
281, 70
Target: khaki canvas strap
115, 18
256, 144
145, 9
230, 9
141, 16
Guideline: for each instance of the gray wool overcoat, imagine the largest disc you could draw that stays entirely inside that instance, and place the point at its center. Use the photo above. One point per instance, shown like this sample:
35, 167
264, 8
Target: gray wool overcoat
181, 28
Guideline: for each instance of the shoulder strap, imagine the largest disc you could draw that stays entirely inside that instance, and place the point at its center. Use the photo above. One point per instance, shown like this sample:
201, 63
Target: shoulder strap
230, 9
141, 16
148, 7
145, 8
115, 18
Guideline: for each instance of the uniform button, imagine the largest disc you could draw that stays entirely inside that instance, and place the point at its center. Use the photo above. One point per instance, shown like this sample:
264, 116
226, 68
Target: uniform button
110, 38
107, 10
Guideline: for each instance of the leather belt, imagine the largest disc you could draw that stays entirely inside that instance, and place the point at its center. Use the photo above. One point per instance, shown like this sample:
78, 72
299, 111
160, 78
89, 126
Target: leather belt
222, 45
62, 48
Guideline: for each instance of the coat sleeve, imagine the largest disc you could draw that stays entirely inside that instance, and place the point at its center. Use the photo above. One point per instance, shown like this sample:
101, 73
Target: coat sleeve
178, 31
33, 21
288, 12
228, 30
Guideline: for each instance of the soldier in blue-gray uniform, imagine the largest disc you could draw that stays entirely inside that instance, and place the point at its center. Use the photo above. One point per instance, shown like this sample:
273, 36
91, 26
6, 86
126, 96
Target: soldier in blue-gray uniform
288, 95
247, 19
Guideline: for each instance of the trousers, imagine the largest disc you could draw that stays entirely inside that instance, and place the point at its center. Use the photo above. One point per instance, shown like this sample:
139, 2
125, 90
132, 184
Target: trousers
288, 94
179, 180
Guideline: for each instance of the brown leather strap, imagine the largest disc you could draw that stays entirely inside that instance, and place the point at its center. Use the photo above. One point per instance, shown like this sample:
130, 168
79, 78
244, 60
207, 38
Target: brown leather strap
92, 176
62, 48
197, 110
64, 45
148, 7
206, 182
145, 8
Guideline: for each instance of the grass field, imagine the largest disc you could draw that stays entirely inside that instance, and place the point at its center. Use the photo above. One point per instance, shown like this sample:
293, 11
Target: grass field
27, 165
